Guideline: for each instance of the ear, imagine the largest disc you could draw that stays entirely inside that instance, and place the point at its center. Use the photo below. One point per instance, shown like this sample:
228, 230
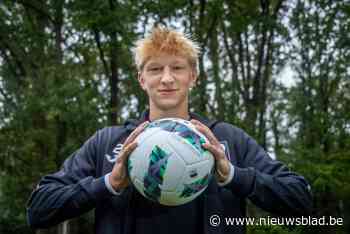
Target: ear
194, 77
141, 80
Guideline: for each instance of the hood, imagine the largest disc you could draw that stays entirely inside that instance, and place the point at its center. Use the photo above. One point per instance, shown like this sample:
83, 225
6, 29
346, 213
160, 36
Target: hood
131, 124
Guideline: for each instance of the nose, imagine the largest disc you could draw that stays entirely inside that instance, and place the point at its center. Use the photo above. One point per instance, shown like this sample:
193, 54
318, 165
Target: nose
167, 76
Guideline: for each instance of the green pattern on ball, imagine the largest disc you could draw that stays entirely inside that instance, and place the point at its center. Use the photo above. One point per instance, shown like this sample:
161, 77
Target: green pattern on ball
195, 187
182, 130
155, 174
193, 142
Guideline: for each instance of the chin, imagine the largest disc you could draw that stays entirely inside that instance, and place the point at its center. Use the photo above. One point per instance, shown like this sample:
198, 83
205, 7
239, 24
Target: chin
169, 105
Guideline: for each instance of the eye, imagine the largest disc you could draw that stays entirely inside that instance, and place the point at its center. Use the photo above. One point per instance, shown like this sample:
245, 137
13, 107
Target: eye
154, 69
178, 67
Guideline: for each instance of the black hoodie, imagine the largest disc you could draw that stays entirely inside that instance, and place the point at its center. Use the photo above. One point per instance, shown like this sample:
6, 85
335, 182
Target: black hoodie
79, 187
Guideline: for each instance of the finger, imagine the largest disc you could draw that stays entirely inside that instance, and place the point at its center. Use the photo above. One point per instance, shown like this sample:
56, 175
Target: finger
217, 153
198, 126
125, 153
205, 130
135, 133
194, 121
198, 123
207, 133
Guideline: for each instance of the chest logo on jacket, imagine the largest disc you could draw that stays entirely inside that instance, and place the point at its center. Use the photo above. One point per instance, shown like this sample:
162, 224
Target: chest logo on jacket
112, 157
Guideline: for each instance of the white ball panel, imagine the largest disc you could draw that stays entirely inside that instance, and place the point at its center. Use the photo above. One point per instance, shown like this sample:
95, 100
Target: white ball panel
174, 172
201, 169
187, 152
147, 134
140, 156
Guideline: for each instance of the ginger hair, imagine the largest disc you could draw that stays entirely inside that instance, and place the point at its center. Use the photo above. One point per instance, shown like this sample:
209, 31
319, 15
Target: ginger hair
165, 40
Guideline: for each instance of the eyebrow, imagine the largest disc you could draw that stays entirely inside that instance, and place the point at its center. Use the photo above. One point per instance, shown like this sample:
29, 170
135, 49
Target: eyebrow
154, 64
159, 64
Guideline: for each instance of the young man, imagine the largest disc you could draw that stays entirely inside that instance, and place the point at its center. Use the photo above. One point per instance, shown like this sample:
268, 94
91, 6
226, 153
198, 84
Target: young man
96, 175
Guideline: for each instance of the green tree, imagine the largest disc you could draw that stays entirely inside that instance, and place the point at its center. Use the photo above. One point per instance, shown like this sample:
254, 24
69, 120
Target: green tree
318, 109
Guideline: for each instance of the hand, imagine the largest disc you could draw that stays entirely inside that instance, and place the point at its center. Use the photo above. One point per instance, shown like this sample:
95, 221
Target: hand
119, 176
222, 164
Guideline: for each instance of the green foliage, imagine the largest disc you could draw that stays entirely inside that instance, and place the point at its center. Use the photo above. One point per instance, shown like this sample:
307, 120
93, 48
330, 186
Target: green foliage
56, 65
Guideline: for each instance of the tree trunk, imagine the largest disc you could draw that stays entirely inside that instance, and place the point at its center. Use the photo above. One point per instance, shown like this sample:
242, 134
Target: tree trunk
114, 77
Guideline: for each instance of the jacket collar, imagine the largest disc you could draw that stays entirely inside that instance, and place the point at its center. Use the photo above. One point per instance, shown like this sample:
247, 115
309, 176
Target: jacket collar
131, 124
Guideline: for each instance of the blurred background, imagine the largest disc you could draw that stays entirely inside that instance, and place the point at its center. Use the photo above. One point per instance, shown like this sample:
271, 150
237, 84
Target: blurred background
278, 69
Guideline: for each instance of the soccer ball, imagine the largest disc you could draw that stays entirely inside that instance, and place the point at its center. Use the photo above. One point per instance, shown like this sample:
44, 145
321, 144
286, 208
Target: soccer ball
169, 165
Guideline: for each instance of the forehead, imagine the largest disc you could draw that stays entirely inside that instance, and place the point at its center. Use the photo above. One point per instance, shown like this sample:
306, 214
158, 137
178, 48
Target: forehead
166, 59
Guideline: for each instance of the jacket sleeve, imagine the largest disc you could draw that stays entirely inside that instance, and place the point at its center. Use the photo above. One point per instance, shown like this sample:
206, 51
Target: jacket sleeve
268, 183
69, 192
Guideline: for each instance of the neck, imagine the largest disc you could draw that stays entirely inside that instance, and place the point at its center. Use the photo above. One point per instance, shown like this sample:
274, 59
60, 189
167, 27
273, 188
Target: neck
155, 114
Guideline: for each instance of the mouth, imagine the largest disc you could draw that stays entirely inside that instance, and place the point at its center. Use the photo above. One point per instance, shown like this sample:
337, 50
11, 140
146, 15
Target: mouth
167, 91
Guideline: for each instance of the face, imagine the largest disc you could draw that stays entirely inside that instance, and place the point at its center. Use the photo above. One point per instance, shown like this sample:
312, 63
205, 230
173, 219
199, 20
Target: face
167, 80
